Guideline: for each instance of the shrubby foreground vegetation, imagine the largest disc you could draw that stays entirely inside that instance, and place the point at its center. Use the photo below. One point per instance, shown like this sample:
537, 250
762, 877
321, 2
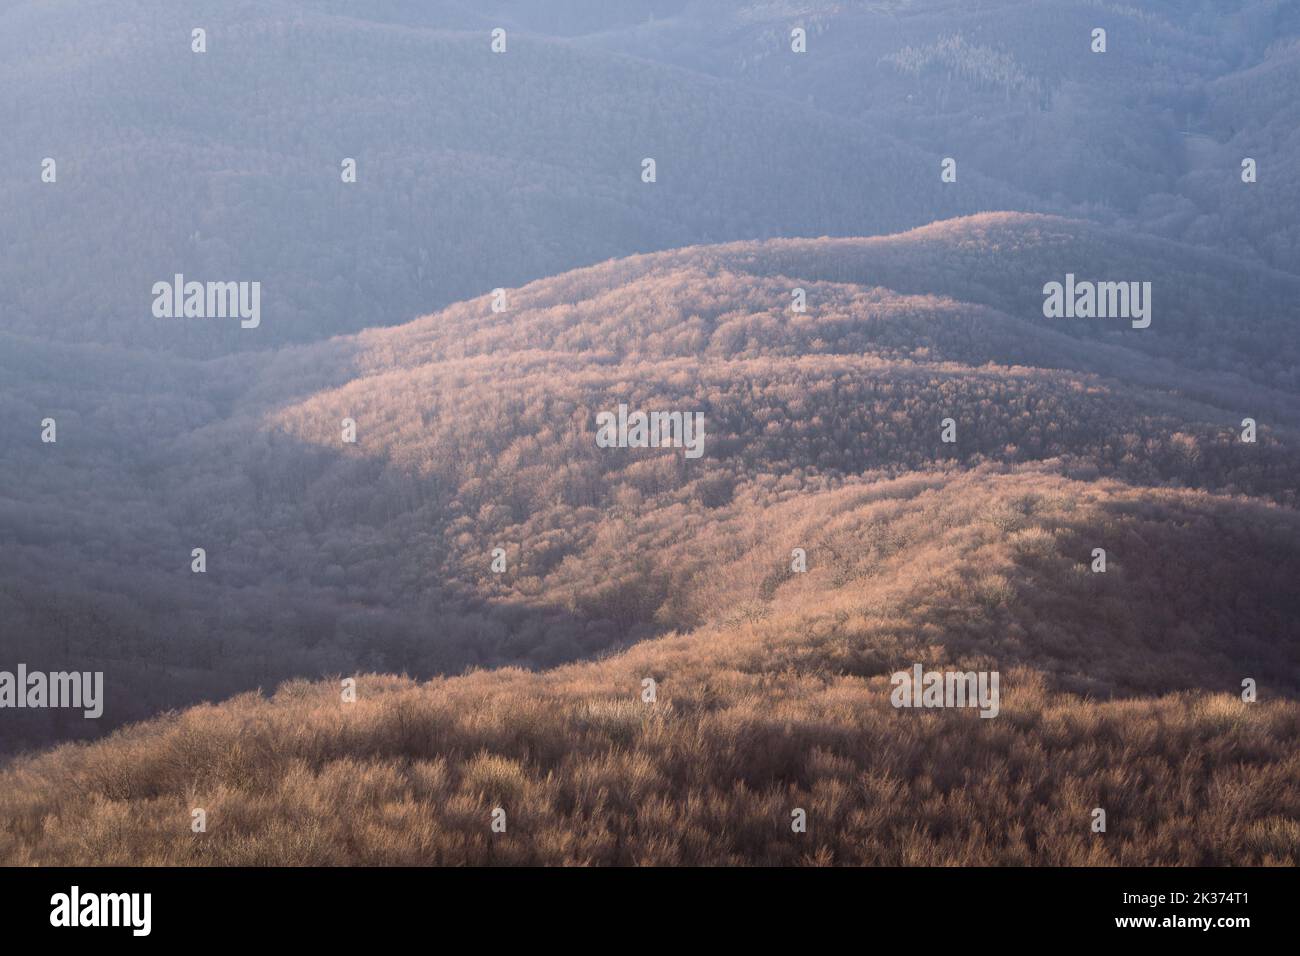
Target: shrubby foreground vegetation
780, 703
522, 690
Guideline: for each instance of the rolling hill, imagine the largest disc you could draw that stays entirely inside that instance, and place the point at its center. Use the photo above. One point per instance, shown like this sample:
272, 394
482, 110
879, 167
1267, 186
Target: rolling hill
1149, 135
475, 431
521, 690
780, 703
475, 170
379, 581
478, 171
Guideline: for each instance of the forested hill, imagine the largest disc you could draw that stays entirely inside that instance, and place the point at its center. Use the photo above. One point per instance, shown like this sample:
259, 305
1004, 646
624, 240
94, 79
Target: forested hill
1150, 135
475, 430
474, 170
379, 567
1119, 690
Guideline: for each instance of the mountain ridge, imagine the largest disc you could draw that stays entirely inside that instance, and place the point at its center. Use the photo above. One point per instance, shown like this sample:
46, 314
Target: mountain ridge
475, 431
755, 714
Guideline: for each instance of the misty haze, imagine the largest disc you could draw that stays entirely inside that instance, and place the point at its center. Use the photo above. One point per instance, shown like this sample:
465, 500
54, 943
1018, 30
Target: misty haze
686, 432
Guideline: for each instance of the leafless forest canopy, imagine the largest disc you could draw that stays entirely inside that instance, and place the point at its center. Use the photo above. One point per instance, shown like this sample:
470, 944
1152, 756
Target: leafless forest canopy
475, 430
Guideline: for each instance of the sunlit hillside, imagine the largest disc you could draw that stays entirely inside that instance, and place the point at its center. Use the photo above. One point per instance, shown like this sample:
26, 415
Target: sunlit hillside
668, 432
475, 431
1119, 692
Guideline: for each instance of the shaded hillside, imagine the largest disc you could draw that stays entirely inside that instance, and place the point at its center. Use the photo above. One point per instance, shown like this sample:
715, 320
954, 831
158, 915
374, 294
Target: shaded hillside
475, 170
478, 171
1150, 135
476, 431
651, 655
782, 705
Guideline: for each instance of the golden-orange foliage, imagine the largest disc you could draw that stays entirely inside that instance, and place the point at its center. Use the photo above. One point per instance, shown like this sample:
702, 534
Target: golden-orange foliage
783, 706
